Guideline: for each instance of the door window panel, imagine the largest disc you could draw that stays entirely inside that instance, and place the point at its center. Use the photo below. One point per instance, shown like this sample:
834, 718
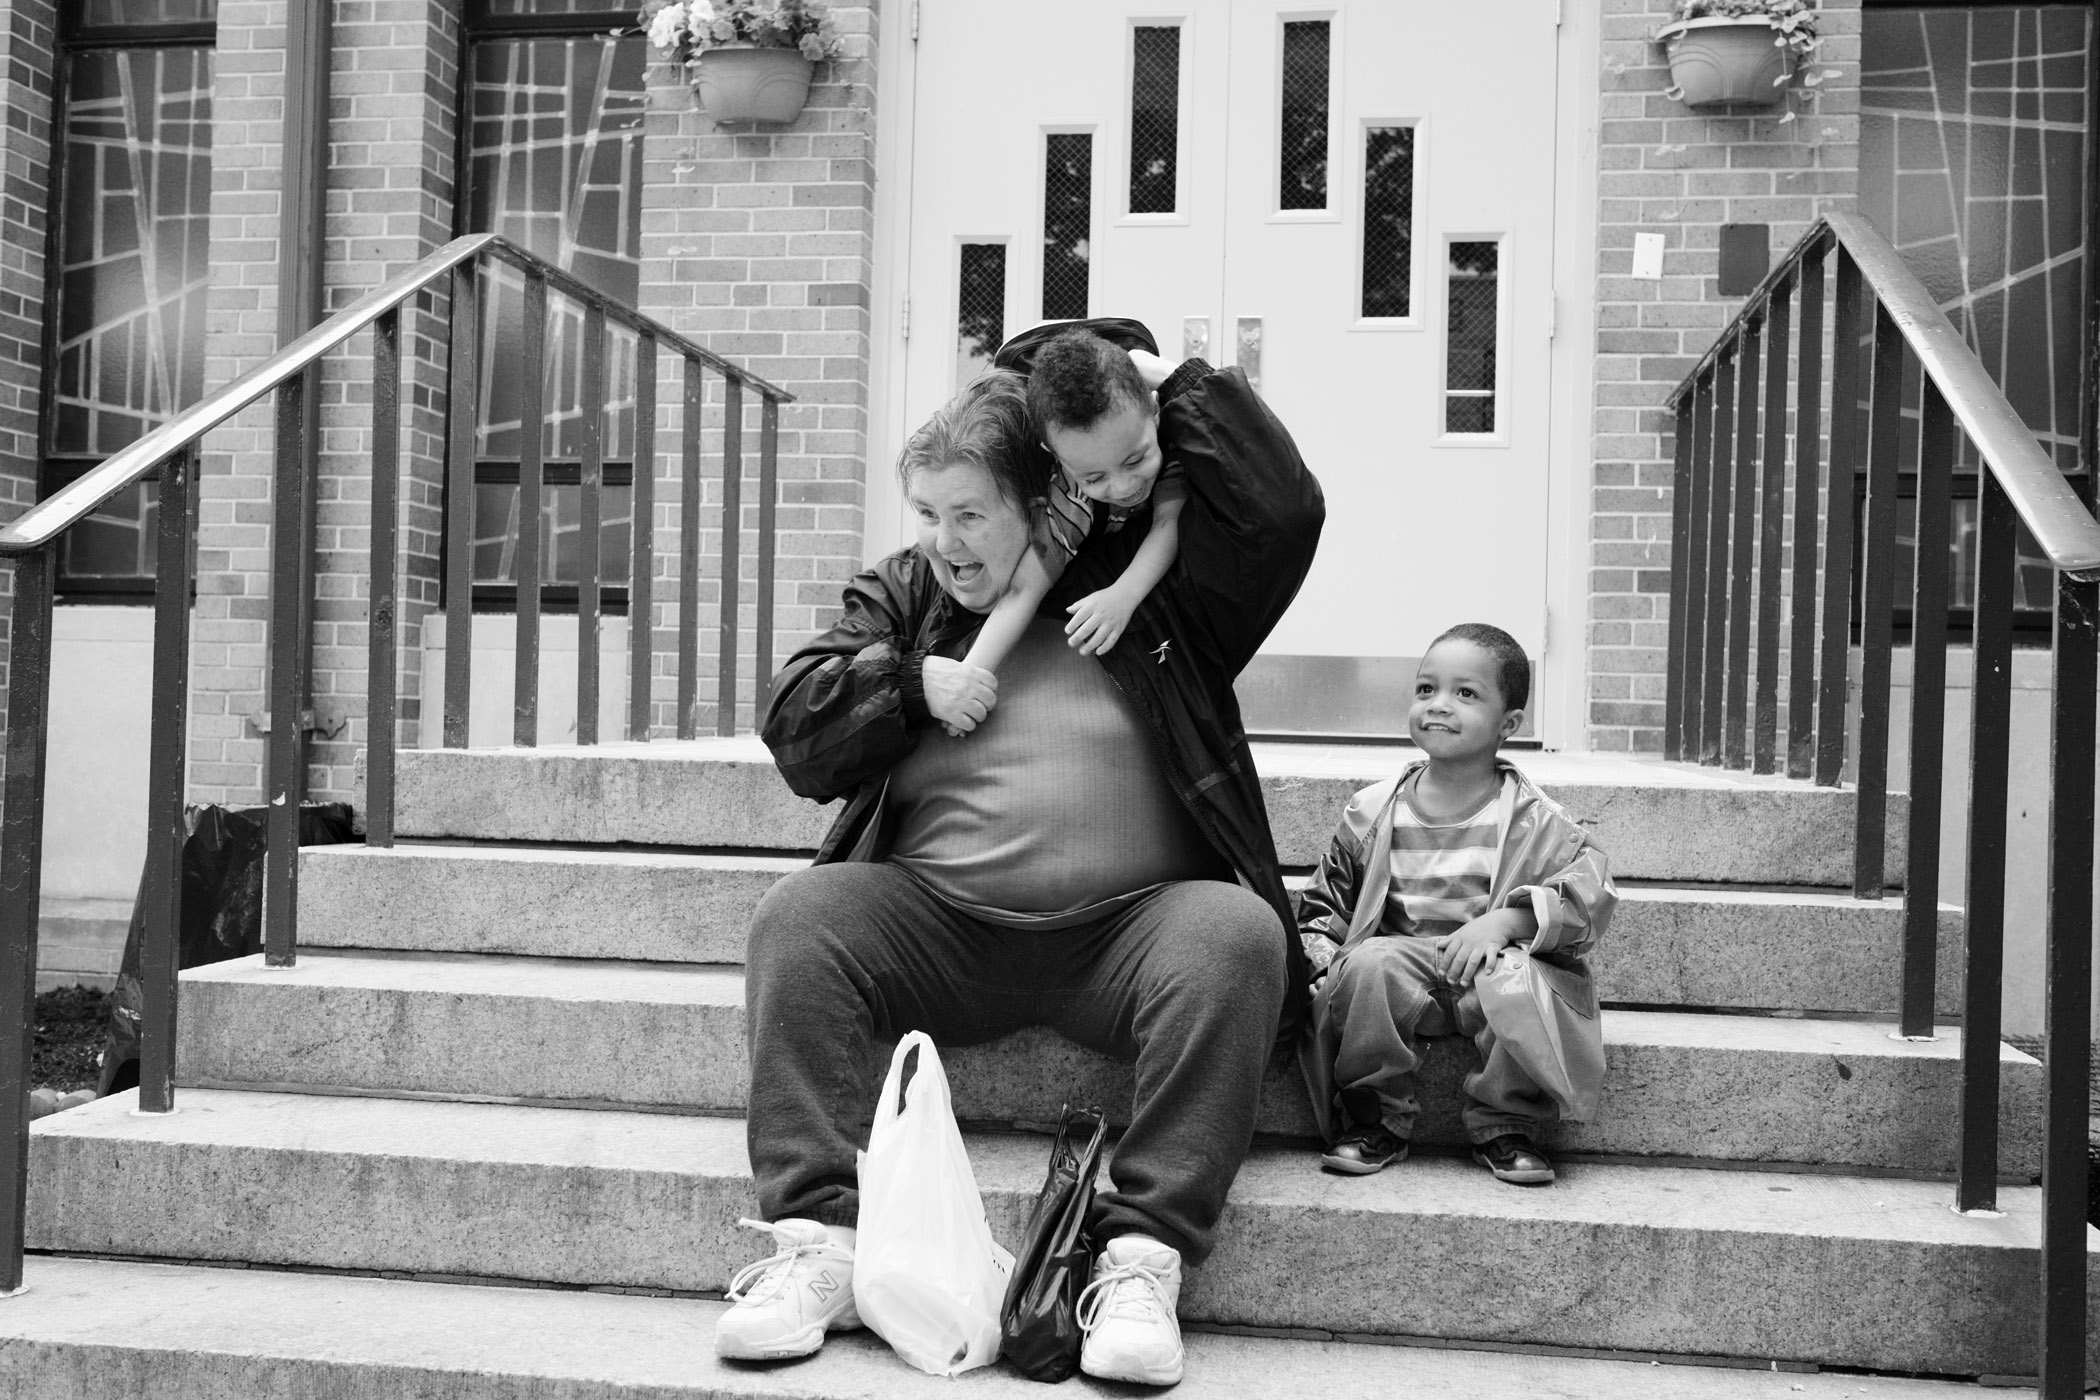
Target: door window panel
1389, 220
128, 302
1068, 217
980, 309
1473, 281
1155, 117
1303, 183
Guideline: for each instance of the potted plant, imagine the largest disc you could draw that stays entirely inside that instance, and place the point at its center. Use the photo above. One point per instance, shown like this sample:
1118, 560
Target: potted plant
1736, 53
749, 60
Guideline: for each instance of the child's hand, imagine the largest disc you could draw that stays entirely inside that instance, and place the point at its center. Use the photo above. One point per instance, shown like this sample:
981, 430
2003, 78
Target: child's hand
1474, 948
1098, 620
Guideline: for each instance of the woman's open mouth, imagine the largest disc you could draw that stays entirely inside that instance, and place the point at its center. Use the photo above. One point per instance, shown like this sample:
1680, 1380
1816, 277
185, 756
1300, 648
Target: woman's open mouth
966, 573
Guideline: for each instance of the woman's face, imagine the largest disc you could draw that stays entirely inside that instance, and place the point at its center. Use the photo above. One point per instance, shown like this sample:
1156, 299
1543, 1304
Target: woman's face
973, 536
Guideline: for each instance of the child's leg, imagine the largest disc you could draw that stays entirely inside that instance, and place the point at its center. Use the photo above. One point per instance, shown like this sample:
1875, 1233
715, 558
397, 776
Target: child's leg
1379, 1004
1501, 1097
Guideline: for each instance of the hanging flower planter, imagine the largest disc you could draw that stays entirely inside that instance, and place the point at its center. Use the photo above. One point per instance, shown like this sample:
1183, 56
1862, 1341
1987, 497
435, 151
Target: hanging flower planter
746, 84
747, 60
1736, 53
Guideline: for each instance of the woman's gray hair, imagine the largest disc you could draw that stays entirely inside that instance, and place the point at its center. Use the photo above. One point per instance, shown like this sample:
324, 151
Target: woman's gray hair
985, 425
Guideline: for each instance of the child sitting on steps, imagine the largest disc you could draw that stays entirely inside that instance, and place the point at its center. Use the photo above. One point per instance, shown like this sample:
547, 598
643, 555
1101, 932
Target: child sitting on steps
1457, 899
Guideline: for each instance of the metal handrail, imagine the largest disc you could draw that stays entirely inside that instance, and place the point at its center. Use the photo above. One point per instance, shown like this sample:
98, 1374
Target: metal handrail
67, 507
2064, 529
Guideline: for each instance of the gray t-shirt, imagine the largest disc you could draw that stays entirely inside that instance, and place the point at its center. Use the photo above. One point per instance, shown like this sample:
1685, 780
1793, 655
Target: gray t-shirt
1053, 812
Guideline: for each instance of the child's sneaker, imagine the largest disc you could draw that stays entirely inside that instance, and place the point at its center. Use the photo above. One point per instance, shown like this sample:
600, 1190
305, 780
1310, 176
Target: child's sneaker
1515, 1158
1365, 1148
787, 1301
1127, 1313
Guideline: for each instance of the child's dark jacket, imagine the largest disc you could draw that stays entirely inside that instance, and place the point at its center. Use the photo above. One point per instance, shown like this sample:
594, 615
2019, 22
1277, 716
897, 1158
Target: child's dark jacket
1539, 997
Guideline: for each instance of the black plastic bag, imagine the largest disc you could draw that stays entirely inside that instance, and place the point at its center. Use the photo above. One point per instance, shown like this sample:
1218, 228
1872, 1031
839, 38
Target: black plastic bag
222, 899
1039, 1321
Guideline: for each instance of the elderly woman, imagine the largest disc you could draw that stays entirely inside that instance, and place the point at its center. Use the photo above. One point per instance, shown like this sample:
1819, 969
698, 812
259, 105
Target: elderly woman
1092, 856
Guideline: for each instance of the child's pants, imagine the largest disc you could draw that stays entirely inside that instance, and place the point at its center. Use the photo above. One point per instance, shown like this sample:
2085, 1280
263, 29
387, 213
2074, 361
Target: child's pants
1386, 994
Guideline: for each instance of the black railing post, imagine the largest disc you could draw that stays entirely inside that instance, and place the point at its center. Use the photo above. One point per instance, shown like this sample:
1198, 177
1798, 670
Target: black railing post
167, 783
768, 552
689, 556
591, 548
1877, 611
1680, 564
532, 429
2067, 1024
1990, 749
383, 613
732, 541
21, 874
284, 785
1808, 477
1835, 664
1716, 646
1696, 565
1928, 714
641, 569
463, 405
1743, 519
1764, 747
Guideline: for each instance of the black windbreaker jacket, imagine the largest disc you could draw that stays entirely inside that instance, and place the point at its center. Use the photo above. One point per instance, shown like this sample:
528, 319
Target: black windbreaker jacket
849, 705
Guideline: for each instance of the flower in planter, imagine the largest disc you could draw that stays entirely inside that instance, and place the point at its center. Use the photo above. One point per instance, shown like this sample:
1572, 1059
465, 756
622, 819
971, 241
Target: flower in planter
688, 28
1794, 21
1792, 24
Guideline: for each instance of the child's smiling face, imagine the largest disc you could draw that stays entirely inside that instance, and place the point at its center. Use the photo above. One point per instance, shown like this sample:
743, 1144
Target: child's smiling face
1116, 459
1458, 714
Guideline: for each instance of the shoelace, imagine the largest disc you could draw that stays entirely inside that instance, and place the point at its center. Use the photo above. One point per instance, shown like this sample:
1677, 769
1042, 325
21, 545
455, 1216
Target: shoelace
763, 1278
1144, 1301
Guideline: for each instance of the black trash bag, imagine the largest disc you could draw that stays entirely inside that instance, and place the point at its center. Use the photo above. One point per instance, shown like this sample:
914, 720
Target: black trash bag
1039, 1321
222, 901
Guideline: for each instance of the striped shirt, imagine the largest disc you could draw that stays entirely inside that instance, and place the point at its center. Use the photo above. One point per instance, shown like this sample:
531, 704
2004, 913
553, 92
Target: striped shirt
1441, 871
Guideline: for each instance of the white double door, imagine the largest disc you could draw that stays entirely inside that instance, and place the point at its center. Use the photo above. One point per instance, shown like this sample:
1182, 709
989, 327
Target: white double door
1354, 202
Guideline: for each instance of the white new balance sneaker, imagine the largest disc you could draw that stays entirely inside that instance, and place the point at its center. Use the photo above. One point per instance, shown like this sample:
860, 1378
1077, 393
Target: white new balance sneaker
1127, 1313
786, 1302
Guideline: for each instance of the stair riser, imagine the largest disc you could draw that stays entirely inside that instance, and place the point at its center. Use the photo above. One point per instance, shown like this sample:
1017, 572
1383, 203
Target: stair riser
1847, 1107
1721, 1290
1750, 835
1681, 950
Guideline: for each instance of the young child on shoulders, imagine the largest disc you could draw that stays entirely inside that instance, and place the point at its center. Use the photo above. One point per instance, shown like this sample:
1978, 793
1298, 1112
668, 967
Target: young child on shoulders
1100, 419
1456, 900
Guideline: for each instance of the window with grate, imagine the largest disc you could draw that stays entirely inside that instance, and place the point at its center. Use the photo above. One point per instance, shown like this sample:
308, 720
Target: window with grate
553, 133
1389, 220
1473, 280
1068, 219
980, 309
131, 229
1303, 145
1155, 116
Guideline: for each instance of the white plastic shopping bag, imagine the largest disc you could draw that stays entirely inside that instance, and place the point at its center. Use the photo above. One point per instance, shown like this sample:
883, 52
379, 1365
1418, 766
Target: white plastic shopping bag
926, 1273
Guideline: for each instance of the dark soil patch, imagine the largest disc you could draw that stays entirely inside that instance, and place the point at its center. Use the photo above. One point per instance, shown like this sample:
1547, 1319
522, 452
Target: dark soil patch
70, 1024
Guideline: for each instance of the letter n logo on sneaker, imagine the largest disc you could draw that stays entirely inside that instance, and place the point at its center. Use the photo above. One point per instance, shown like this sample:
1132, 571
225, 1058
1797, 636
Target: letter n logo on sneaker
824, 1285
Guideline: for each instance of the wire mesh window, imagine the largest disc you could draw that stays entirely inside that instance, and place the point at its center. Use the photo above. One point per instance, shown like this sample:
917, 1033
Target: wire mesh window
980, 308
554, 129
1068, 217
1155, 116
1389, 220
1303, 182
1473, 279
132, 215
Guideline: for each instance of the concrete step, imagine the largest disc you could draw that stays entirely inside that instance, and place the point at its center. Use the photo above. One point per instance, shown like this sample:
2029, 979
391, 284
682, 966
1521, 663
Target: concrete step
1756, 950
1659, 821
128, 1331
1723, 1088
1831, 1269
80, 942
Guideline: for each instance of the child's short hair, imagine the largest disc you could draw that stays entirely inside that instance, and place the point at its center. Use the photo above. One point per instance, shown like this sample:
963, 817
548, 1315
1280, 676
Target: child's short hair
1077, 379
1512, 666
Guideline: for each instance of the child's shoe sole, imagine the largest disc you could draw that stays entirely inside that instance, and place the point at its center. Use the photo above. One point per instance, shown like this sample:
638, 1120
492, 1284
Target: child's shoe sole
1517, 1176
1351, 1165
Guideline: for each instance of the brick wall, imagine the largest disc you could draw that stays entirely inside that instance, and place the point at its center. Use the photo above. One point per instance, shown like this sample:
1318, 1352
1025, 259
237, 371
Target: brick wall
759, 244
1666, 169
26, 67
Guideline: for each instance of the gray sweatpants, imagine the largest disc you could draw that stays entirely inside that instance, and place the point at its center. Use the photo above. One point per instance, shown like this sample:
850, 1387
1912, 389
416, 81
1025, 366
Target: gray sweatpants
1385, 994
1188, 982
